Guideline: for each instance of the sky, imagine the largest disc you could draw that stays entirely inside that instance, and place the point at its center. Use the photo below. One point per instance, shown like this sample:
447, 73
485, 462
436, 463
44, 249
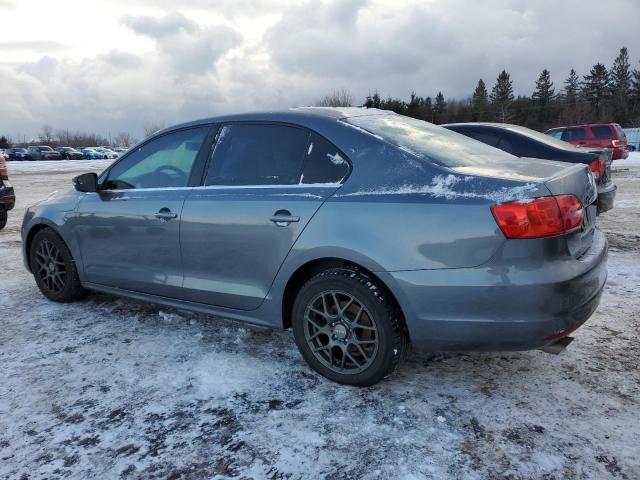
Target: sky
108, 66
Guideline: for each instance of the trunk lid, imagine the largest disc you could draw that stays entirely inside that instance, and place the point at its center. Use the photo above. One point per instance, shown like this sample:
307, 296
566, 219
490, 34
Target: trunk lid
559, 178
579, 181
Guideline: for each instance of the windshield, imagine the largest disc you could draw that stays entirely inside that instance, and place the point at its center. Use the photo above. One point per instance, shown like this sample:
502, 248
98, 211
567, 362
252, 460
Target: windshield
426, 140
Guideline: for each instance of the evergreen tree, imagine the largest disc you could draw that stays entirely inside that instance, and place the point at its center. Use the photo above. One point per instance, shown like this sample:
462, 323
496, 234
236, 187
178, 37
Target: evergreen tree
439, 108
621, 87
572, 86
502, 96
480, 101
596, 88
4, 142
544, 92
543, 95
635, 98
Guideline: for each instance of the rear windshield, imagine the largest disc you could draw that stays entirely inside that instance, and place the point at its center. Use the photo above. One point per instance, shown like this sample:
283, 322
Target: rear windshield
541, 137
603, 132
426, 140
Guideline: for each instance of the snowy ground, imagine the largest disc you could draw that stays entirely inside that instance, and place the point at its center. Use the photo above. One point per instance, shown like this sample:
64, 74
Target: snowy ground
111, 388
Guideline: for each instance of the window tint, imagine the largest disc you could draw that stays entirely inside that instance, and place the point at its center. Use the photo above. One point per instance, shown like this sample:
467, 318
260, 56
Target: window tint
484, 137
603, 132
257, 155
323, 162
571, 134
507, 146
161, 163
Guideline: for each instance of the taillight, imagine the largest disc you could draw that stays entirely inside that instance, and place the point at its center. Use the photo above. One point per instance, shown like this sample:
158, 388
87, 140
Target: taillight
597, 167
4, 172
616, 143
539, 217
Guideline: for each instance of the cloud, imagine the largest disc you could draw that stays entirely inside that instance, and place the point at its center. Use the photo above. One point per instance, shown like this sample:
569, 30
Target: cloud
193, 69
191, 48
38, 46
160, 27
7, 4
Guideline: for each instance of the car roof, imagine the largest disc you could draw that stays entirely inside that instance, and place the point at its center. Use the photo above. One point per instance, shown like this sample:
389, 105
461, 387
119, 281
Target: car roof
299, 115
584, 125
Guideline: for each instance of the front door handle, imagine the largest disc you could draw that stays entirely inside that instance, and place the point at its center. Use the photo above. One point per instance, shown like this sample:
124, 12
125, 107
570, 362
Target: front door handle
165, 214
282, 218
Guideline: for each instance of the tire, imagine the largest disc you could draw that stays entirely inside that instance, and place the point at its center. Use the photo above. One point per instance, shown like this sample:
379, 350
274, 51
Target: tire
343, 310
54, 268
4, 216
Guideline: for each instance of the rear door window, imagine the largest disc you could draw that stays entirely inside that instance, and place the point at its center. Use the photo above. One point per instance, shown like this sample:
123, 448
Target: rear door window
257, 154
602, 132
323, 162
572, 134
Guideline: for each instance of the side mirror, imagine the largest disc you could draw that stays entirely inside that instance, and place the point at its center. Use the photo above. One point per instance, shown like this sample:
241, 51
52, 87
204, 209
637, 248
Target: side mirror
87, 182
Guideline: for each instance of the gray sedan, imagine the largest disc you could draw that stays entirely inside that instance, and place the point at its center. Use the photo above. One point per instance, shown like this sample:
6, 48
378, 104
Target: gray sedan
361, 230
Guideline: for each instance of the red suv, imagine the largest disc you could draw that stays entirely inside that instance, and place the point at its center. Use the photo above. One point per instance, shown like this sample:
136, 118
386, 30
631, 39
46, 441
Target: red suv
599, 135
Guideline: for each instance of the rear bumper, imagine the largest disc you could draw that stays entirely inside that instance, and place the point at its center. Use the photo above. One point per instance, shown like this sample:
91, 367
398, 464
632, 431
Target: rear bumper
606, 196
498, 308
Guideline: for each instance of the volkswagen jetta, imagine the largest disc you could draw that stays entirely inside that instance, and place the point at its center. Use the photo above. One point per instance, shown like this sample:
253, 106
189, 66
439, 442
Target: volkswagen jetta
361, 230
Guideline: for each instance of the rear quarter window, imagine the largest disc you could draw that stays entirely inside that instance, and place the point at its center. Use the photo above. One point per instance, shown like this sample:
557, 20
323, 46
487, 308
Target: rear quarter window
323, 162
603, 132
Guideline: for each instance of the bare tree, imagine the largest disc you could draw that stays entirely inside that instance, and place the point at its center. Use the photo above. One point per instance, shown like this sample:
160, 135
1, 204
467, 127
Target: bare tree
337, 98
153, 127
124, 139
46, 134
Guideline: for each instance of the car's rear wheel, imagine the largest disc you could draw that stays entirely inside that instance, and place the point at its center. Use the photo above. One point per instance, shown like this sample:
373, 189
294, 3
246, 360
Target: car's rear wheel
347, 327
53, 268
4, 216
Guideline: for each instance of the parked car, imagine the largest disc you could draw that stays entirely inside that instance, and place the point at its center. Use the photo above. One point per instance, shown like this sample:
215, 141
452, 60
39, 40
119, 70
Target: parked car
524, 142
601, 135
358, 228
120, 150
108, 154
7, 194
42, 153
632, 148
16, 154
69, 153
92, 154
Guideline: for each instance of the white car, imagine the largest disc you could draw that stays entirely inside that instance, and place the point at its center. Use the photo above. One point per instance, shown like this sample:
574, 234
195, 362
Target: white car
110, 154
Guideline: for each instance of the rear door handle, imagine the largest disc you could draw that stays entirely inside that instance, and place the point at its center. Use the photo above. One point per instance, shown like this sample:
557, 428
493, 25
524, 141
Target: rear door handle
165, 214
282, 218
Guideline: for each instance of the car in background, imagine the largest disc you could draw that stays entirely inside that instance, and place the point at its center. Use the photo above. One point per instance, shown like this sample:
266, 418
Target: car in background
527, 143
108, 154
359, 229
632, 148
7, 194
120, 150
43, 153
92, 154
16, 154
596, 135
69, 153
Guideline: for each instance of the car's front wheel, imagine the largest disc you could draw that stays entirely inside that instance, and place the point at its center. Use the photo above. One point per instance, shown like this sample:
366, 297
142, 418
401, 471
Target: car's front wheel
347, 327
53, 268
4, 216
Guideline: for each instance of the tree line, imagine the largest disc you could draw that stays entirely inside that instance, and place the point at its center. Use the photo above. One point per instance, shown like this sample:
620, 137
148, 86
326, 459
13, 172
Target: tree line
603, 95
